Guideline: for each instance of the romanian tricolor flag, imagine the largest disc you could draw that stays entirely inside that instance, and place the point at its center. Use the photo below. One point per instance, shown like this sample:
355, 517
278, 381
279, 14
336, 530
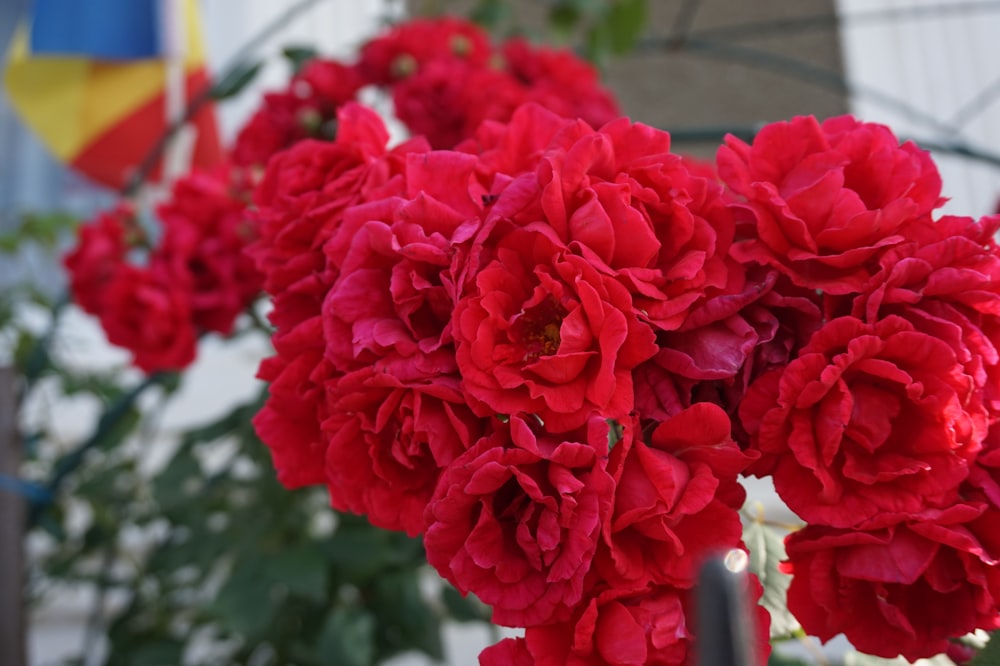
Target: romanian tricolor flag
91, 78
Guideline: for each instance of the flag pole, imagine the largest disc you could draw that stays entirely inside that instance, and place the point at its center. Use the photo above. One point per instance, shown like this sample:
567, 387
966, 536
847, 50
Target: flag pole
177, 157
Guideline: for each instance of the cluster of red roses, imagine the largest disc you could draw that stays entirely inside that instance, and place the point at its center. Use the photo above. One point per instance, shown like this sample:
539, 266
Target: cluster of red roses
880, 431
154, 299
446, 77
551, 350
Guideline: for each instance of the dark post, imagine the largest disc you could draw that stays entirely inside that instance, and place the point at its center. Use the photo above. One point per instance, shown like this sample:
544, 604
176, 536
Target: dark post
724, 629
12, 515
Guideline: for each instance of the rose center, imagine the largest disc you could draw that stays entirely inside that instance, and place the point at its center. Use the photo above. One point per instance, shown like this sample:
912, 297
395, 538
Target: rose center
537, 328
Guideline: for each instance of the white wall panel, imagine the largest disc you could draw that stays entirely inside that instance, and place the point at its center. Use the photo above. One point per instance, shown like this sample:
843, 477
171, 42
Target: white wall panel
936, 57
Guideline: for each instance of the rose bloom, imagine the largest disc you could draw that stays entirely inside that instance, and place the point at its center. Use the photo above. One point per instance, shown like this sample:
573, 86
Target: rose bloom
508, 149
407, 48
391, 432
617, 627
289, 421
206, 230
543, 331
619, 198
100, 250
146, 311
560, 80
822, 201
301, 201
395, 292
946, 282
676, 500
516, 519
899, 589
868, 419
447, 100
306, 109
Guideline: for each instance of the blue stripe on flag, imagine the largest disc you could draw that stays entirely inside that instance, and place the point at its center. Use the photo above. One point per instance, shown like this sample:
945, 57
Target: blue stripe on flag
99, 29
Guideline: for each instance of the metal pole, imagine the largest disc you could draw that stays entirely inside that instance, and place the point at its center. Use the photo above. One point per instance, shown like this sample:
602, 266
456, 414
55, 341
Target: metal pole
13, 651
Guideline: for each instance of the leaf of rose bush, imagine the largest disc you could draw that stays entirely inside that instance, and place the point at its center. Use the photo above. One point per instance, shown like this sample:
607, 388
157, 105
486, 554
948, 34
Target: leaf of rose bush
990, 654
767, 549
406, 621
464, 609
862, 659
303, 569
347, 638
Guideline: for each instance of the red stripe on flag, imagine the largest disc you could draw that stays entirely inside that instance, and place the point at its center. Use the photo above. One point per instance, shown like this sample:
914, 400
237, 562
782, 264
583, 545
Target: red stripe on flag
112, 157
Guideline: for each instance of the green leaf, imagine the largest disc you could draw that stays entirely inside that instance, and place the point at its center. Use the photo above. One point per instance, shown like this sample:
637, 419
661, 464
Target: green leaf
174, 485
298, 56
302, 569
862, 659
464, 609
405, 618
626, 19
990, 654
777, 658
160, 652
361, 552
767, 549
347, 638
236, 80
244, 603
564, 17
491, 13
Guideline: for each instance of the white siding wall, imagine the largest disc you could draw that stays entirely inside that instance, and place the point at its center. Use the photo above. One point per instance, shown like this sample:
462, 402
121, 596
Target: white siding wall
938, 63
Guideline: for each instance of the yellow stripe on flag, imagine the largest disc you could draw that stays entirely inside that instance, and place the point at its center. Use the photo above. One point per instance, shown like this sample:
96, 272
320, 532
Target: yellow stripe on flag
69, 102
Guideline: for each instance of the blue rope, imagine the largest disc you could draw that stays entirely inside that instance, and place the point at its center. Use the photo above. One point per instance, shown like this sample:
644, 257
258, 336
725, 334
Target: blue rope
33, 492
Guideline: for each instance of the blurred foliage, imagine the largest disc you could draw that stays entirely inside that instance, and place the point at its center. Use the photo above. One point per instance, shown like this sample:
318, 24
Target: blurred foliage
597, 29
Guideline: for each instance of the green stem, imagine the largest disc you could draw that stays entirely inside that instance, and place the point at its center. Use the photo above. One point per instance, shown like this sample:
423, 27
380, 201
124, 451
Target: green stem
111, 417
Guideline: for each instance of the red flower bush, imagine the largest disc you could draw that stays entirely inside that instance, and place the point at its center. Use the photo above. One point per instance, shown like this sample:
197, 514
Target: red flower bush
868, 420
551, 347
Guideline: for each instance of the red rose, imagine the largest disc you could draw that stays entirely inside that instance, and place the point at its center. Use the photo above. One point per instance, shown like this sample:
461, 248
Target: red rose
947, 284
869, 419
516, 520
206, 230
148, 313
508, 652
395, 293
306, 109
289, 421
99, 253
904, 589
676, 500
301, 201
406, 48
619, 198
507, 149
618, 627
447, 100
543, 331
559, 80
392, 428
823, 201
